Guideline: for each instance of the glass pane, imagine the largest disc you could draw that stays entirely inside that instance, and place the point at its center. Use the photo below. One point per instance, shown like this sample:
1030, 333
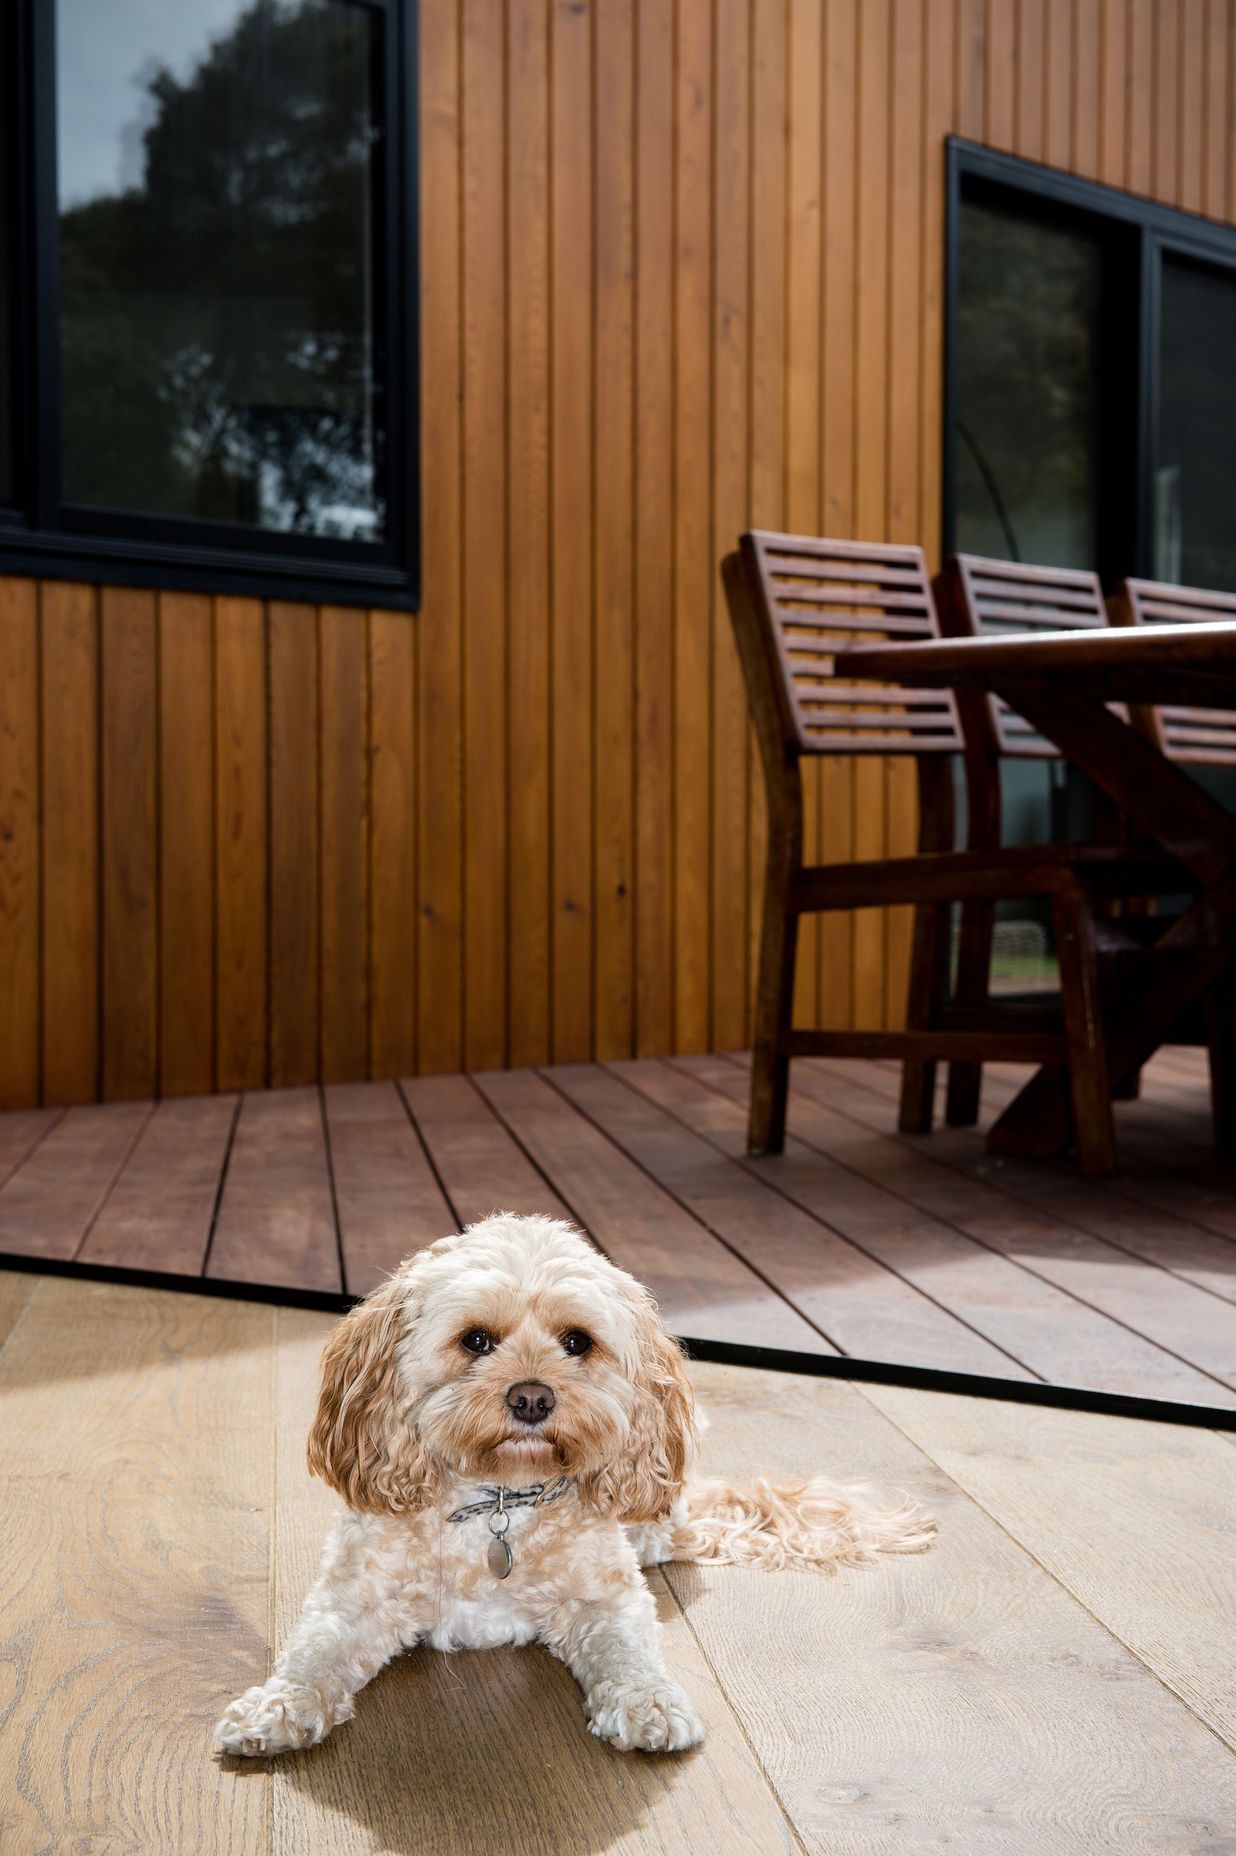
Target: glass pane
216, 253
7, 266
1027, 390
1195, 469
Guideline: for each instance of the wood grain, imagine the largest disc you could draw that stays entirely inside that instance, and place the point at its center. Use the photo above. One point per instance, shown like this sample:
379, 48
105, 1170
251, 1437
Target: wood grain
186, 844
138, 1452
387, 1199
914, 1218
958, 1698
484, 520
759, 1208
527, 437
48, 1204
241, 737
129, 787
344, 800
19, 844
439, 721
572, 500
1076, 1490
295, 875
69, 624
481, 1166
159, 1214
276, 1221
392, 875
702, 1287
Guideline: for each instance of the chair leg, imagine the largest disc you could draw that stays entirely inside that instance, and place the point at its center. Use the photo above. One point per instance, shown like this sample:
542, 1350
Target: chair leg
965, 1080
1221, 1038
774, 1004
927, 994
1084, 1034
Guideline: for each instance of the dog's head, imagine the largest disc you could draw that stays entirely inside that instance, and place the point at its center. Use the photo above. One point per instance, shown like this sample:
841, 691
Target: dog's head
512, 1353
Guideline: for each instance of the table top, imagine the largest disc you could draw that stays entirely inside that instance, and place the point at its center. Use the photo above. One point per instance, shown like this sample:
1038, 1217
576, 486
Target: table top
1177, 664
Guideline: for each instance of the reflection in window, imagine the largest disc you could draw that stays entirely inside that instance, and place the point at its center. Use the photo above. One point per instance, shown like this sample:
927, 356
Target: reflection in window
215, 172
1027, 391
1195, 465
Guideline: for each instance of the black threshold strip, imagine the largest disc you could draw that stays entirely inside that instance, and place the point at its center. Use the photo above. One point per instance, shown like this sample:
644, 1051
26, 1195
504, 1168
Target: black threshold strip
712, 1352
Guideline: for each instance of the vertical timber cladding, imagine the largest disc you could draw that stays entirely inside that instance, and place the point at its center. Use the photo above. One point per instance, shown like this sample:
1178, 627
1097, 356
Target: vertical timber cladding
681, 272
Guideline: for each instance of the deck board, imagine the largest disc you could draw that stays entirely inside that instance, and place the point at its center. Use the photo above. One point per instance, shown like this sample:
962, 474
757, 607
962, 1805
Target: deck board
863, 1307
702, 1287
387, 1199
276, 1219
158, 1215
859, 1242
481, 1165
48, 1203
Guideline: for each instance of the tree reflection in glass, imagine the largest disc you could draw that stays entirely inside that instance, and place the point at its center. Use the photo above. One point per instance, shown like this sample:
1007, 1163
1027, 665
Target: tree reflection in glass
217, 291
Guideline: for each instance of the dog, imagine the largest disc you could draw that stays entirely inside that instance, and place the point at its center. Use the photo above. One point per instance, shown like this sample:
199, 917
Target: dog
511, 1428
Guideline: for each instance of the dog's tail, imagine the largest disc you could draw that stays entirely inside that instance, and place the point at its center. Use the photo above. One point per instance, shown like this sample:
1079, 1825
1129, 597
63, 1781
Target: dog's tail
776, 1525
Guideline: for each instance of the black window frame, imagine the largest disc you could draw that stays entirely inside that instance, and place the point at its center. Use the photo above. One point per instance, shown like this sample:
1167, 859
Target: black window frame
42, 535
1136, 235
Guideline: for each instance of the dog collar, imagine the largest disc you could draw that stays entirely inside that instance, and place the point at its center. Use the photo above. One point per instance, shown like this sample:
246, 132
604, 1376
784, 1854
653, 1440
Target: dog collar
497, 1504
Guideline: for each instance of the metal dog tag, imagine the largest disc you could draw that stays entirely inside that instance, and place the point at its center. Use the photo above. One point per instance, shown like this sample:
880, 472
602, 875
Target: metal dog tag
499, 1557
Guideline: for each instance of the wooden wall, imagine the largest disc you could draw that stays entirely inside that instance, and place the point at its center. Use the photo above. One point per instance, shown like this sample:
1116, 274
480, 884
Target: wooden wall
682, 267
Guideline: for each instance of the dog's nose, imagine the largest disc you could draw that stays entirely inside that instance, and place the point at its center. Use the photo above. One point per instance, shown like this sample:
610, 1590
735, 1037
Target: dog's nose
531, 1401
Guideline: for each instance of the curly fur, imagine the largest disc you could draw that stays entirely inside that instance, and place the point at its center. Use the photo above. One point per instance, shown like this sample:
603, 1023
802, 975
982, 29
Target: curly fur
410, 1425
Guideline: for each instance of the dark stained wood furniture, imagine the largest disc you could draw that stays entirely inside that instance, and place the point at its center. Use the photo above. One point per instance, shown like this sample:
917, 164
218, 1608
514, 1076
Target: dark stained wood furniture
1196, 736
1064, 683
980, 597
797, 603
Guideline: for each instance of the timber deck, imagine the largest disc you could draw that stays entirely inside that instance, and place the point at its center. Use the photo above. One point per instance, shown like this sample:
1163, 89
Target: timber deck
917, 1251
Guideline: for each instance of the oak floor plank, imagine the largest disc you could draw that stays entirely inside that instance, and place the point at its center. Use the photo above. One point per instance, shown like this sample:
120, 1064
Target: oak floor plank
488, 1750
703, 1289
958, 1699
863, 1308
136, 1445
481, 1166
949, 1175
387, 1199
159, 1213
276, 1221
1136, 1519
16, 1290
47, 1205
859, 1177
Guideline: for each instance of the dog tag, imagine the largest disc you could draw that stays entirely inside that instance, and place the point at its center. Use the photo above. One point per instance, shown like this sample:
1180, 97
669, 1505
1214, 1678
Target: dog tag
499, 1557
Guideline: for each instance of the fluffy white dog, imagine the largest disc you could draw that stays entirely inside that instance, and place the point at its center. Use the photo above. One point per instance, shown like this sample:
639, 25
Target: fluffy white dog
511, 1426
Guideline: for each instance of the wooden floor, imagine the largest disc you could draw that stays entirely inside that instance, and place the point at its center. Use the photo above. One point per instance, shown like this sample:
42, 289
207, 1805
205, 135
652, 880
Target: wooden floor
859, 1242
1055, 1675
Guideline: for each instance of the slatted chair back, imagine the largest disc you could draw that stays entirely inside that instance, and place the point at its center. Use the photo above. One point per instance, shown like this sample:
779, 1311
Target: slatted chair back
1204, 737
795, 601
977, 597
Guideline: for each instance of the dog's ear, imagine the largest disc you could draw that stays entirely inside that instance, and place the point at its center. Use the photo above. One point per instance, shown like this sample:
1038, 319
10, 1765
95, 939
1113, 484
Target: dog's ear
642, 1483
363, 1442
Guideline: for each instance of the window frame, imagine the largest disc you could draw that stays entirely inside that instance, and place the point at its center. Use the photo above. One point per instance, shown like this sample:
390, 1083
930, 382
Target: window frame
43, 535
1137, 235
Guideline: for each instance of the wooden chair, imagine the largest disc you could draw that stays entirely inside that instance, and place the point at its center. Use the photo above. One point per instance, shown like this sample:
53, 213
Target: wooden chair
1199, 737
980, 597
794, 602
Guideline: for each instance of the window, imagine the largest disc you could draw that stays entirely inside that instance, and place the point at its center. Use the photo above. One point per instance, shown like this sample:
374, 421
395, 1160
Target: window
210, 276
1090, 376
1090, 390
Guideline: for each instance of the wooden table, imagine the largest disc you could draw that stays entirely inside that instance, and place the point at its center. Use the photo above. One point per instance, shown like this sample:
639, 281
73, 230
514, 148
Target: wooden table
1062, 682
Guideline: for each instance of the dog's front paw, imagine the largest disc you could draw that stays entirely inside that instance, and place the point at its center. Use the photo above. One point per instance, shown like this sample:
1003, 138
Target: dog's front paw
661, 1719
274, 1719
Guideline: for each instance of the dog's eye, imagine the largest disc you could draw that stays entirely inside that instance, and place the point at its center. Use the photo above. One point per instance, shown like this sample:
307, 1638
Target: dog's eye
477, 1340
576, 1341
